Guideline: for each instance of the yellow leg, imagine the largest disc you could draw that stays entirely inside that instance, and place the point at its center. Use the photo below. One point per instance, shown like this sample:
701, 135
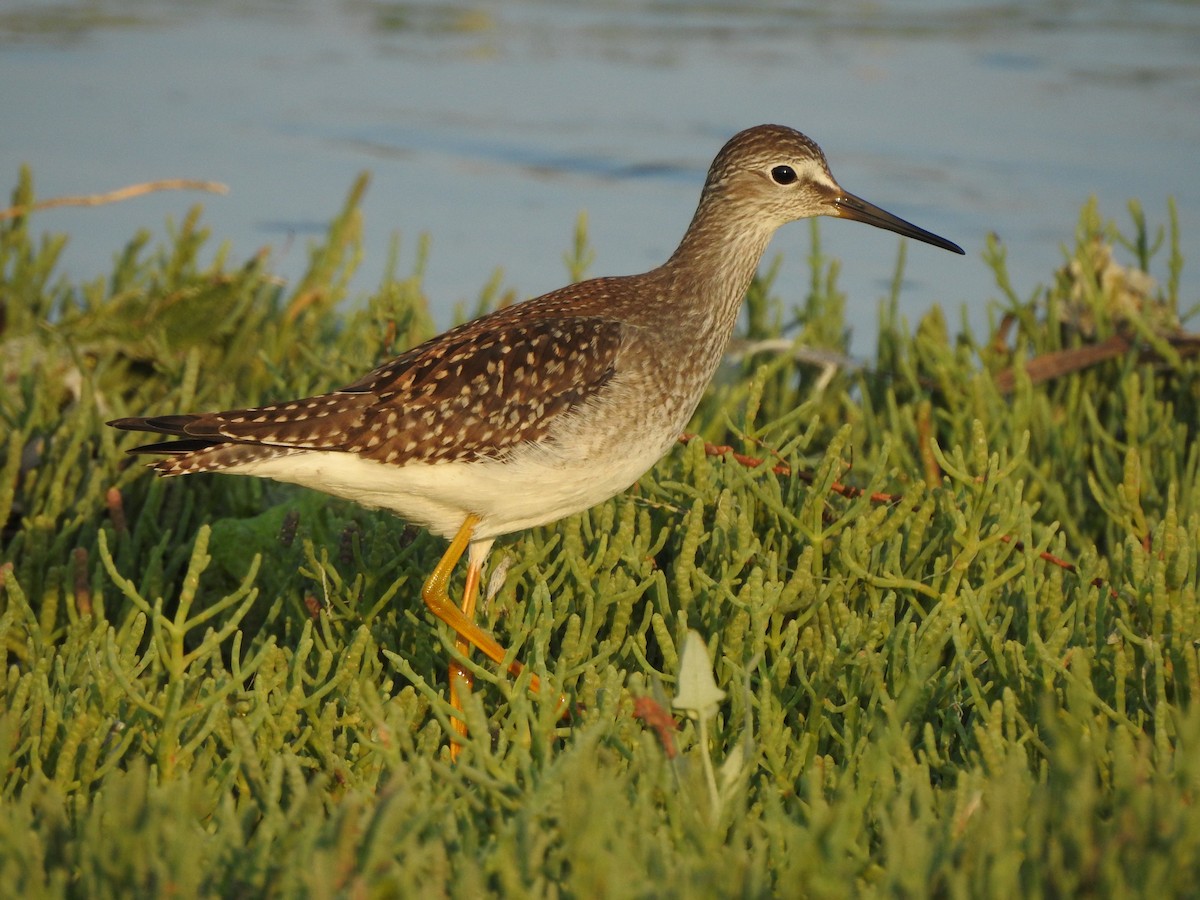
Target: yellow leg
437, 598
461, 679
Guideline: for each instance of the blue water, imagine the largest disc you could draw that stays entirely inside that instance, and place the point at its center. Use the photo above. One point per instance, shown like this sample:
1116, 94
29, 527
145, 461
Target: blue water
491, 126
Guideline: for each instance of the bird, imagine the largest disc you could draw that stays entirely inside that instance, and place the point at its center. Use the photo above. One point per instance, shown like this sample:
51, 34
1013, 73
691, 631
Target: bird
538, 410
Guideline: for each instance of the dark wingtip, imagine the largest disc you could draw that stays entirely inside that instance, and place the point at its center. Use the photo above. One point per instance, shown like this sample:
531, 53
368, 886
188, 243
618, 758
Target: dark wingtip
175, 426
156, 424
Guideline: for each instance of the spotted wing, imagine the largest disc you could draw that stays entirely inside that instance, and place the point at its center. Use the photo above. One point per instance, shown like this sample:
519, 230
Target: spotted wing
475, 391
479, 392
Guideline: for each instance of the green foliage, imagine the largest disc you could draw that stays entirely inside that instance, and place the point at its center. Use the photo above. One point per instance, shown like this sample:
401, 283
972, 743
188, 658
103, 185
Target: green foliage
972, 673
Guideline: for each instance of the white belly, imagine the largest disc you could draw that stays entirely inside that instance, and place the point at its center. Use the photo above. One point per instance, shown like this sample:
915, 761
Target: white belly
532, 486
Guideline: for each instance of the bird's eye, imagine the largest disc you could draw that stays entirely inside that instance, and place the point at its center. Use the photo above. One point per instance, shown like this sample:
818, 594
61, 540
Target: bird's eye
783, 174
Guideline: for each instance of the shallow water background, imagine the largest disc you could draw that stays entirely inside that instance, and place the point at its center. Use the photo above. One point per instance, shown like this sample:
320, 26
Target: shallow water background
491, 126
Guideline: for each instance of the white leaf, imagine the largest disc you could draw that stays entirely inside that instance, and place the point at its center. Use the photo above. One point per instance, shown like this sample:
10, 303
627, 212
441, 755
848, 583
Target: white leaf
697, 693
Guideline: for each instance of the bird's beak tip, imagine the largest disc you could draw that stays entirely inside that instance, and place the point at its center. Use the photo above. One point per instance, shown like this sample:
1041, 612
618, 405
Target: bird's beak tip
845, 205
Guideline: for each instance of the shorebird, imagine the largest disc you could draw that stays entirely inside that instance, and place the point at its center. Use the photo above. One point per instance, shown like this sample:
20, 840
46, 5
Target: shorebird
538, 410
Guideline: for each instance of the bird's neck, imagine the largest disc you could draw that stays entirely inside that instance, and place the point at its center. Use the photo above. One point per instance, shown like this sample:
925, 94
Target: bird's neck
714, 264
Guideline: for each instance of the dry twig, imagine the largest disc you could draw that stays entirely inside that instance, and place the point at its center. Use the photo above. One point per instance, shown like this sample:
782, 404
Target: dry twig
125, 193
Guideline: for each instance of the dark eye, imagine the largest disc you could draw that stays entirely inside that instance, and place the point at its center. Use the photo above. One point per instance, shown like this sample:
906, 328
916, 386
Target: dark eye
783, 174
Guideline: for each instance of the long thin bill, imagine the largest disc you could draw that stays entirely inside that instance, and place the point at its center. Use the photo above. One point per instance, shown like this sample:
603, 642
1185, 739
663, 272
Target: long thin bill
847, 206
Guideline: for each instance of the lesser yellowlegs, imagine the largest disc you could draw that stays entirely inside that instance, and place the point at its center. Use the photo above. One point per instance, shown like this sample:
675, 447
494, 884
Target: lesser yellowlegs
542, 409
